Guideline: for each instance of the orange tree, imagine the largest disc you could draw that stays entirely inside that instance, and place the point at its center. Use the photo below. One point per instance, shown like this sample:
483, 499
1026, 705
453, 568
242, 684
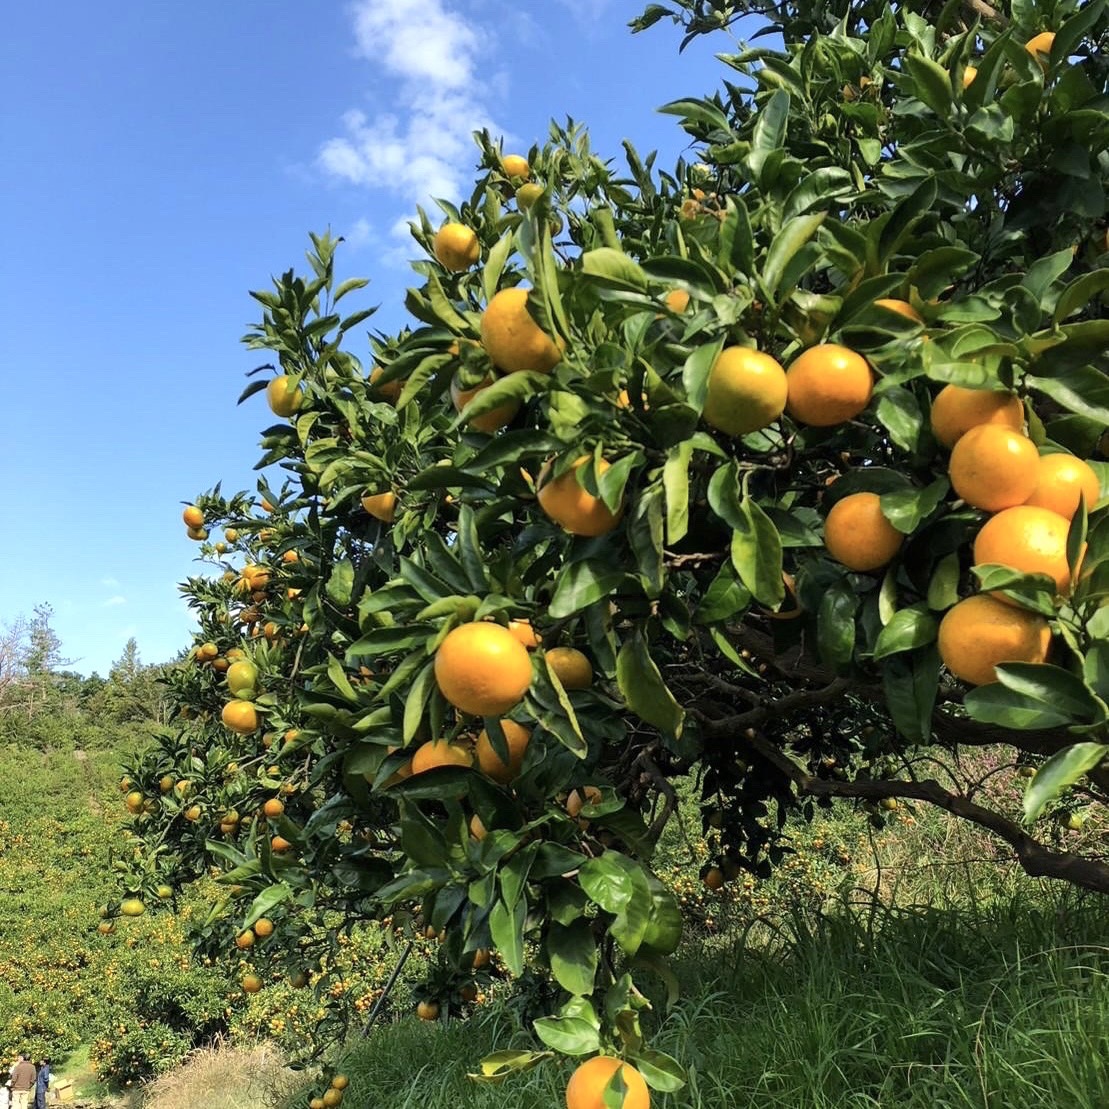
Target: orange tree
779, 471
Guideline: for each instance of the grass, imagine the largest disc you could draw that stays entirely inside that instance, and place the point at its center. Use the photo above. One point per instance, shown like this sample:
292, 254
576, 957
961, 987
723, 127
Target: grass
1003, 1005
221, 1077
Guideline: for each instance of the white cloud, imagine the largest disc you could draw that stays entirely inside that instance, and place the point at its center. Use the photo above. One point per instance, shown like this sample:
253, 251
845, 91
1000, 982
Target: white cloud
428, 61
112, 602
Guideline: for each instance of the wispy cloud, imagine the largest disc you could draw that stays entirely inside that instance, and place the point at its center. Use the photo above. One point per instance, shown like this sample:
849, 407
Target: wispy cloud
112, 602
110, 583
427, 58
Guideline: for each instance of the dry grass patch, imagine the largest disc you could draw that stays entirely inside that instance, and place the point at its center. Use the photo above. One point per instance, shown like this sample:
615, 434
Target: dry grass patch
224, 1077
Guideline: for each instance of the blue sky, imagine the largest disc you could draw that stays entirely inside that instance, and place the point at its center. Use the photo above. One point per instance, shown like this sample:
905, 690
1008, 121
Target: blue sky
163, 159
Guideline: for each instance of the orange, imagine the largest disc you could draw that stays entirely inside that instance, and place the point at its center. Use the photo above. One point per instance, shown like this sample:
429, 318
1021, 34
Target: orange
994, 467
747, 391
515, 165
390, 390
340, 1082
283, 395
198, 534
571, 666
714, 878
428, 1010
512, 338
274, 808
440, 752
586, 1089
134, 801
242, 679
828, 385
491, 763
527, 195
491, 421
857, 535
382, 506
579, 798
455, 246
570, 505
477, 828
956, 410
968, 76
192, 814
1027, 538
1039, 46
1062, 479
677, 300
244, 940
525, 633
251, 983
979, 633
240, 716
279, 844
901, 307
482, 669
331, 1098
193, 517
263, 927
132, 906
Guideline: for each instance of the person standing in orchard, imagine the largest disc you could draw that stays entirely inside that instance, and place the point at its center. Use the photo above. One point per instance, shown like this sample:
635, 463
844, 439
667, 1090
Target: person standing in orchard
42, 1083
24, 1077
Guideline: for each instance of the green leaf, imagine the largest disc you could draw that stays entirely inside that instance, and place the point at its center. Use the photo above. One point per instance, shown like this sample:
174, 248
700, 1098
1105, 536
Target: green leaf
660, 1071
910, 683
907, 509
512, 387
506, 927
1061, 770
910, 628
1079, 293
835, 625
943, 589
615, 267
495, 263
770, 131
416, 701
695, 372
1081, 389
582, 584
756, 552
1051, 686
568, 1035
899, 413
500, 1064
737, 241
338, 678
267, 901
643, 689
795, 233
698, 111
725, 597
904, 217
675, 480
996, 704
645, 532
932, 83
573, 956
340, 585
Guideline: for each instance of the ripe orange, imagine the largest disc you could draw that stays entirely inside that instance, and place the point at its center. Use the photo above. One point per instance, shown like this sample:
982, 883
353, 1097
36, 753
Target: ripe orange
331, 1098
428, 1010
566, 501
494, 420
1027, 538
677, 300
525, 633
251, 983
456, 247
956, 410
382, 506
482, 669
515, 165
340, 1082
198, 535
240, 716
901, 307
994, 467
390, 390
477, 828
512, 339
491, 763
192, 814
579, 798
273, 808
828, 385
1039, 46
747, 391
316, 1103
284, 396
572, 667
280, 844
193, 517
1061, 480
134, 801
263, 927
105, 927
440, 752
857, 535
244, 939
980, 632
586, 1089
968, 76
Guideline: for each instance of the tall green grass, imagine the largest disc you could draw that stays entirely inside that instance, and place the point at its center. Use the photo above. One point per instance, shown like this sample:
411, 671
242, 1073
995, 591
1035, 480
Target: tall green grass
1002, 1004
